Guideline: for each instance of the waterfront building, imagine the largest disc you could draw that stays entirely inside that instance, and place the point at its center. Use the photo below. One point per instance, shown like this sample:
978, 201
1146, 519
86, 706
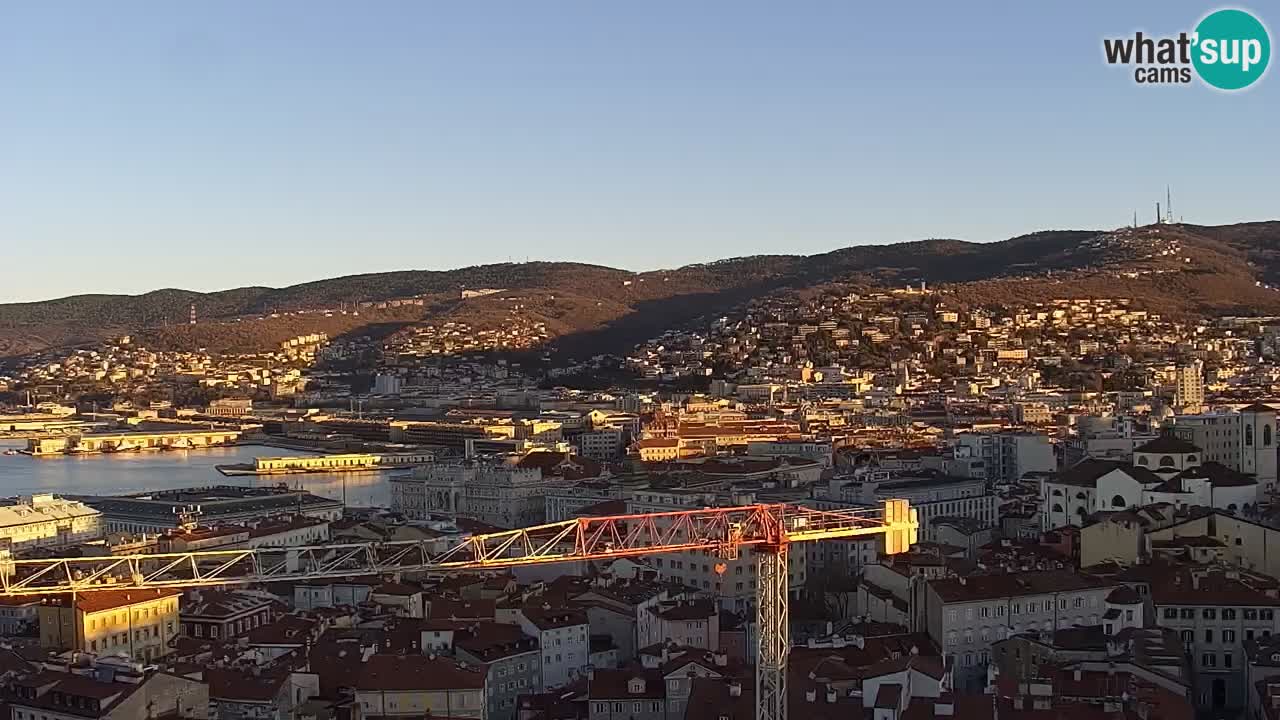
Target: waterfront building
219, 504
510, 492
90, 443
46, 520
339, 462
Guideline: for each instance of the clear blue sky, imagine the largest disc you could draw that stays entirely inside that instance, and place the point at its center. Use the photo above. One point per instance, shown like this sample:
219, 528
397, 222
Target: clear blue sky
211, 145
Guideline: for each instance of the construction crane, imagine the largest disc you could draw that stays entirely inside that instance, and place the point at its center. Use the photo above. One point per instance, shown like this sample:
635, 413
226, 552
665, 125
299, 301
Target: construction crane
766, 529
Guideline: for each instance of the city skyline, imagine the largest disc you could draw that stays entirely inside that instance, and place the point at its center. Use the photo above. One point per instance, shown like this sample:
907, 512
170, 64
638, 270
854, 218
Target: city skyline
220, 147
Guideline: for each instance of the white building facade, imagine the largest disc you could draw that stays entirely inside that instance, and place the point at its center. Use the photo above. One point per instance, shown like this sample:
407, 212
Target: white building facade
46, 520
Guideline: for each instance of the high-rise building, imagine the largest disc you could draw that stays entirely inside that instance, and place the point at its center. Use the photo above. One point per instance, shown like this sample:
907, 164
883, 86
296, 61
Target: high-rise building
1188, 394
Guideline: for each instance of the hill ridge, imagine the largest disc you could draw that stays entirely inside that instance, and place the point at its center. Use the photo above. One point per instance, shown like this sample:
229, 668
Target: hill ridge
1217, 268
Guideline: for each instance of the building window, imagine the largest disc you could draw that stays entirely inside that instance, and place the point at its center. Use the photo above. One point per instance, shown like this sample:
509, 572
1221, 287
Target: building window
1209, 660
1228, 613
1119, 501
1210, 614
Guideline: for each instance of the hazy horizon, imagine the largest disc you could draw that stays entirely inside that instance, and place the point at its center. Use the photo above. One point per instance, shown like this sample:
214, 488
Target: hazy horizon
304, 281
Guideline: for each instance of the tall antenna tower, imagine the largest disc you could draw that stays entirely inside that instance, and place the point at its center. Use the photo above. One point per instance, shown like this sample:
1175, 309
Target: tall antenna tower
1168, 204
1159, 217
1135, 218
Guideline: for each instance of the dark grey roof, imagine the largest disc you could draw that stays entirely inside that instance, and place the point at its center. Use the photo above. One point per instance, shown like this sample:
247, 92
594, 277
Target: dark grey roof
216, 502
1168, 444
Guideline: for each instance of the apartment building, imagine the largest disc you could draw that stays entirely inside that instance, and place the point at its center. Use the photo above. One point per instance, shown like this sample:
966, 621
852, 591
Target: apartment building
687, 623
965, 615
627, 695
1216, 613
136, 623
510, 658
113, 689
621, 610
601, 444
819, 451
931, 495
563, 637
1009, 455
1188, 384
414, 686
222, 615
732, 579
19, 615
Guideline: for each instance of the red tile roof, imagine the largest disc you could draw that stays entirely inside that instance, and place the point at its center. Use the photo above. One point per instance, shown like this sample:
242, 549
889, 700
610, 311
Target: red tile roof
239, 686
551, 618
988, 587
888, 697
102, 600
418, 672
616, 685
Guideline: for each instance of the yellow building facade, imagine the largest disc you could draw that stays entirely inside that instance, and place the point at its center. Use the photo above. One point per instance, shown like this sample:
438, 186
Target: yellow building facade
135, 623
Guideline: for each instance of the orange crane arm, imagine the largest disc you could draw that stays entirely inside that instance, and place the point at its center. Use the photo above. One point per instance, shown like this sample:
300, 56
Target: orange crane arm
725, 530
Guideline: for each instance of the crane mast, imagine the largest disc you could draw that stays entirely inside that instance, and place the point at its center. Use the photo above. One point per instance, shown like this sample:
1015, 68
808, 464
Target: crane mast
768, 529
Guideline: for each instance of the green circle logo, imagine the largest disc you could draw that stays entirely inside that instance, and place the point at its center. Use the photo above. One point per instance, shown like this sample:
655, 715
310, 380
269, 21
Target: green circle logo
1232, 49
